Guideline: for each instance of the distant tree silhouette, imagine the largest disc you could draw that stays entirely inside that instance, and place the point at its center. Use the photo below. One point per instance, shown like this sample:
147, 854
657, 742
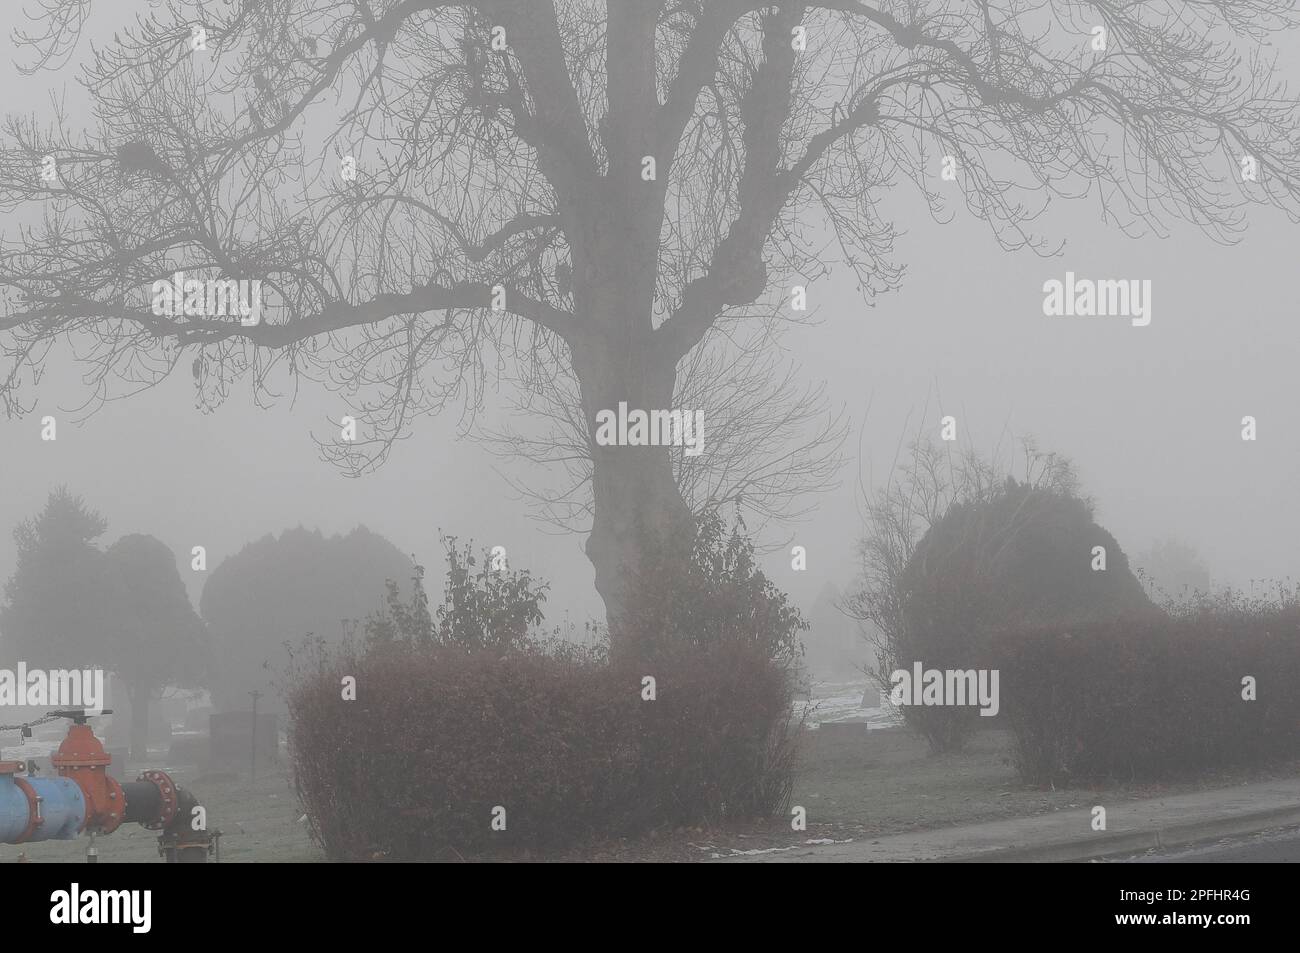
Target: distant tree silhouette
280, 589
1174, 572
125, 610
53, 602
151, 636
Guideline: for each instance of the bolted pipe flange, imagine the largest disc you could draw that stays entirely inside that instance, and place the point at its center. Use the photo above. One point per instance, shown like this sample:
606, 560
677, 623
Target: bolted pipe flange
34, 819
167, 790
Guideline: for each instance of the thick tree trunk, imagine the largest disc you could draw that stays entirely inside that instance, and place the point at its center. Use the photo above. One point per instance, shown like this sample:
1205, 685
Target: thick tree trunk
642, 528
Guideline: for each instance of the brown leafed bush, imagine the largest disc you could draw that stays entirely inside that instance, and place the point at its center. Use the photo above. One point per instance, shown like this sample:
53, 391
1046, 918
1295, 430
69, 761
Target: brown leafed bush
1151, 696
438, 737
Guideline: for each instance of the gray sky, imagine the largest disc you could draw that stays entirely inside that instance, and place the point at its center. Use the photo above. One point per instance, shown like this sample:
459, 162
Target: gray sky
1150, 415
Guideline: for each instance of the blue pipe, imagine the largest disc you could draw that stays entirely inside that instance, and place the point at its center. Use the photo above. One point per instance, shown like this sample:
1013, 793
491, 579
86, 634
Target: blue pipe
61, 805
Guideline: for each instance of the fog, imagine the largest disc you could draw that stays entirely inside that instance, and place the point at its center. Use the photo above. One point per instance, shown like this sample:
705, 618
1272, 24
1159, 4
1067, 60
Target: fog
1151, 415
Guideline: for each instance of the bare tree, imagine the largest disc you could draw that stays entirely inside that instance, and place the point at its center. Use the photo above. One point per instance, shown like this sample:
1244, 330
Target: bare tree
509, 144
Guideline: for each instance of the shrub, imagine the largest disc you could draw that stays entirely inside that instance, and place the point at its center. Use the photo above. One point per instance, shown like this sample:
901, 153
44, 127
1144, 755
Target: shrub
940, 535
493, 608
956, 547
1020, 556
439, 737
717, 596
472, 711
718, 743
1151, 696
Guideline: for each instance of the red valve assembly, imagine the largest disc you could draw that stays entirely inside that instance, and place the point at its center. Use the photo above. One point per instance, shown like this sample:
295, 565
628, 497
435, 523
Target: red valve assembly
82, 758
36, 809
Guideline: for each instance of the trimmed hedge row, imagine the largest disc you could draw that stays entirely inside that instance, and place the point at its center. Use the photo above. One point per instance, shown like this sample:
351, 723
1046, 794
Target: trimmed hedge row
1151, 696
437, 739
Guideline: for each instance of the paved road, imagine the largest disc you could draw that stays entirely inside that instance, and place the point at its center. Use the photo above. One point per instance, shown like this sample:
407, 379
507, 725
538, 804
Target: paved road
1281, 846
